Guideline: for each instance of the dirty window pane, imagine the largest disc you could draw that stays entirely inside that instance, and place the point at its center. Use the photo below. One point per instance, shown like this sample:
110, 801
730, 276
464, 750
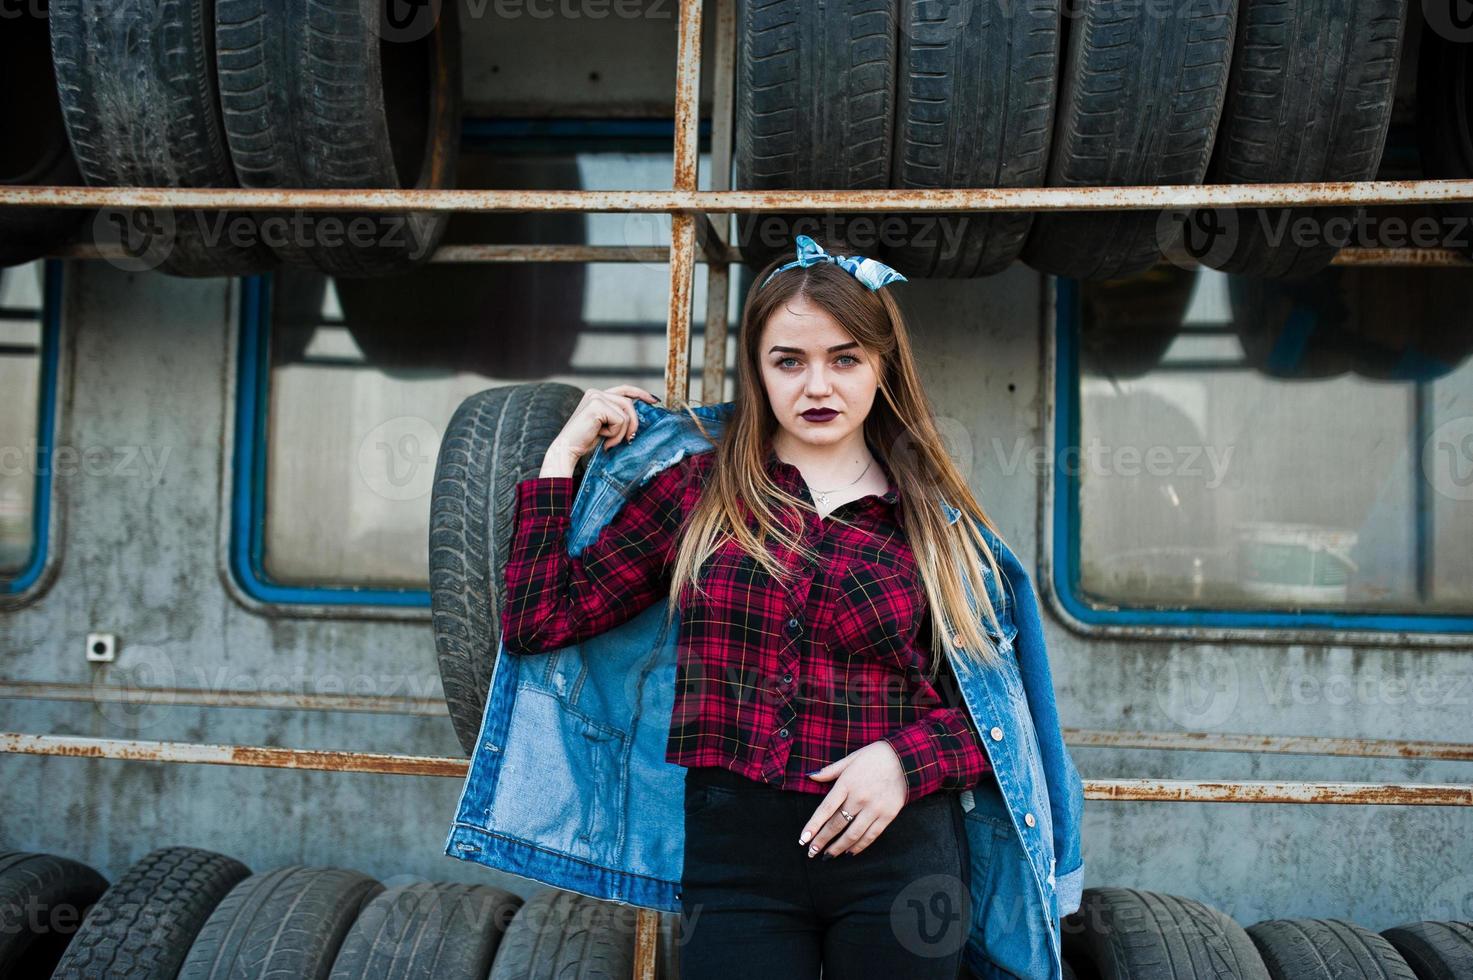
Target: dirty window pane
366, 373
1277, 445
21, 291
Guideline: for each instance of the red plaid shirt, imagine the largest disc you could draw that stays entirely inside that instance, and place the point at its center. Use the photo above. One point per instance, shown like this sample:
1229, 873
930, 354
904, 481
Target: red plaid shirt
771, 683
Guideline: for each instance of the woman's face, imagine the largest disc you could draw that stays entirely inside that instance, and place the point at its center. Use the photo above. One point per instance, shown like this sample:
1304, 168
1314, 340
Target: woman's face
801, 370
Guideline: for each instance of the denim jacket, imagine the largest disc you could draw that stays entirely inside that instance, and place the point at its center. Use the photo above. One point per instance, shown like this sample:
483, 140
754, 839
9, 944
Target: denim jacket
569, 785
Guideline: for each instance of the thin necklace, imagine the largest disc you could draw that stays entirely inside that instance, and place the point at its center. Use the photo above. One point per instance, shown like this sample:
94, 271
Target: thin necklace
822, 496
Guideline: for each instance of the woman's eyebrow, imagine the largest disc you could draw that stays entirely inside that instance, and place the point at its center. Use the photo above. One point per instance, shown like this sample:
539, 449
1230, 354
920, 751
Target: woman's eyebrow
799, 350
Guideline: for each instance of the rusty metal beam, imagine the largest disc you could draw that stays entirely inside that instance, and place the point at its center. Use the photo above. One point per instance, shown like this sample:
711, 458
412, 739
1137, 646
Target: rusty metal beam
683, 222
683, 239
269, 757
1276, 791
1422, 258
1376, 748
1438, 258
222, 698
1159, 790
1147, 198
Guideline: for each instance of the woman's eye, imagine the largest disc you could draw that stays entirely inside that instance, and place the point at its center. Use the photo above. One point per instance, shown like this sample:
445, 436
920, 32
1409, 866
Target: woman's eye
842, 357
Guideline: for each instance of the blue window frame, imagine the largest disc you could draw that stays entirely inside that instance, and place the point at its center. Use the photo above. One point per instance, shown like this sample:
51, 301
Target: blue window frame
1418, 511
249, 537
20, 577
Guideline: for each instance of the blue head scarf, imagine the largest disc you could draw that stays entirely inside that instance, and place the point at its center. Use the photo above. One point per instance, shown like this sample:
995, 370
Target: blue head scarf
872, 273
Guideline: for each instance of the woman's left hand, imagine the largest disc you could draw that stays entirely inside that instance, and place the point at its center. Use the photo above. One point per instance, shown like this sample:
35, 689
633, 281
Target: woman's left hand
870, 787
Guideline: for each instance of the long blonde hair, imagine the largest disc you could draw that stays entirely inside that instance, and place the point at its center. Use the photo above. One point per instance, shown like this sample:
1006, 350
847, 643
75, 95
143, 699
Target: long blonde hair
900, 424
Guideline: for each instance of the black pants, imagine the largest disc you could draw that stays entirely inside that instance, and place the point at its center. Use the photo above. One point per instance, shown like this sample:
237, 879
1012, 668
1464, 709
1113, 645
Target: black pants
753, 904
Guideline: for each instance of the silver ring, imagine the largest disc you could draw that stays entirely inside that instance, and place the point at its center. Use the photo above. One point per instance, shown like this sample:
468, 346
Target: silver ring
846, 816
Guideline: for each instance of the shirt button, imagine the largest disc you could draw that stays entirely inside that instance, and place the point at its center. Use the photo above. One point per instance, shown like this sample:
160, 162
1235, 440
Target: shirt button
1028, 819
783, 733
793, 625
996, 734
787, 678
957, 640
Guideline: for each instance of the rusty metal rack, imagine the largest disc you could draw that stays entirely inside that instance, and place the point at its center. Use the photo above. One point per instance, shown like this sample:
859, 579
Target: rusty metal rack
699, 226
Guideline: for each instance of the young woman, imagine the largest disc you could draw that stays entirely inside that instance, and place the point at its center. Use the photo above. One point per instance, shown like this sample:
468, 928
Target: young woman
812, 558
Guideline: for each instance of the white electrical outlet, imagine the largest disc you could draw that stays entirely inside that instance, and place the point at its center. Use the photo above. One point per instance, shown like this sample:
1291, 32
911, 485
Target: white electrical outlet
102, 647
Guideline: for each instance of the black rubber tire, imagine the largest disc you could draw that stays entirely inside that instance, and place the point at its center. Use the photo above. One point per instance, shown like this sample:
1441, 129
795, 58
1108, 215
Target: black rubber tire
288, 922
974, 108
142, 927
314, 96
1127, 325
1127, 934
1309, 99
815, 110
136, 80
1292, 329
439, 320
495, 439
1407, 324
33, 145
428, 929
561, 935
1435, 950
56, 889
1140, 103
1445, 116
1326, 949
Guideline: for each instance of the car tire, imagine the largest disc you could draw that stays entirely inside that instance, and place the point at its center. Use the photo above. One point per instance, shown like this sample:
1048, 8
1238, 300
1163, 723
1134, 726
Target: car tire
1123, 933
495, 439
1141, 98
31, 945
136, 81
287, 922
1326, 949
315, 96
561, 935
975, 108
142, 927
429, 929
31, 129
1309, 99
814, 110
1435, 950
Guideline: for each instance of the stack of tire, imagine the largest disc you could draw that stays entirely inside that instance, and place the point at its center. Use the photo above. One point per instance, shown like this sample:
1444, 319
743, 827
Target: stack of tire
194, 914
334, 94
1123, 933
922, 94
33, 142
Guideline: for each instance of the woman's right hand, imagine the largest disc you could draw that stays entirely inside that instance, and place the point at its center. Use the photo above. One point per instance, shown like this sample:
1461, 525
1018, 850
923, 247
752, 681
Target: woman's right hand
604, 413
